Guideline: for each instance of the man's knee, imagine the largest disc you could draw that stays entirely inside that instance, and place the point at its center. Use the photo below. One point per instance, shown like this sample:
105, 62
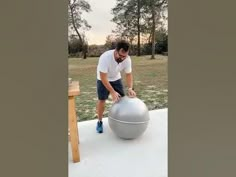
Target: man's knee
101, 102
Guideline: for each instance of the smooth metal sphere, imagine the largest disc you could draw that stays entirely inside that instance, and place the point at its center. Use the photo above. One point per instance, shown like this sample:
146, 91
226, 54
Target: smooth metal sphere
128, 118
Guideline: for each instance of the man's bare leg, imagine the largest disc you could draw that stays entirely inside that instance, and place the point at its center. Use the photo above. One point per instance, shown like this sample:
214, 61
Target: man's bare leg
100, 111
100, 108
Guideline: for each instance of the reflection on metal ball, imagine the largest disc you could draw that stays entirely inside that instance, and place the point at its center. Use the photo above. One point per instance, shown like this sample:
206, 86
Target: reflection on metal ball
128, 118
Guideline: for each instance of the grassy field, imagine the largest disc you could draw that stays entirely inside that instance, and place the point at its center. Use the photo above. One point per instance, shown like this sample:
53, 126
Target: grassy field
150, 83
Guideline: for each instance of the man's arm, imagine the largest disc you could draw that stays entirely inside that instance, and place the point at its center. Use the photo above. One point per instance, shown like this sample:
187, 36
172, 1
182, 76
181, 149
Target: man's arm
129, 81
105, 82
114, 94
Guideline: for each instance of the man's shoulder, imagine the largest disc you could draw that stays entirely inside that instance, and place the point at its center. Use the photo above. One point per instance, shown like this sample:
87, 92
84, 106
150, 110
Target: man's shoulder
107, 53
128, 59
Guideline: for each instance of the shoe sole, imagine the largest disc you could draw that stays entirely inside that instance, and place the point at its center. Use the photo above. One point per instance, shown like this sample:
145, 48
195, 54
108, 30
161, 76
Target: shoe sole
99, 131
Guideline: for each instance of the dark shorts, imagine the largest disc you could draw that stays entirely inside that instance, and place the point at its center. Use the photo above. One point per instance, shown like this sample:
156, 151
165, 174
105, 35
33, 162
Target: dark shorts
103, 93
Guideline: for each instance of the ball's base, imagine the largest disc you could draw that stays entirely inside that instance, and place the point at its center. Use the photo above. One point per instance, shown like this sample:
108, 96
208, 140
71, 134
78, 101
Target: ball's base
127, 131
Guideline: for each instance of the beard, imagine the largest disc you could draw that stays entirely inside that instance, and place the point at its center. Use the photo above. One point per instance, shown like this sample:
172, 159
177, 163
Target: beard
119, 60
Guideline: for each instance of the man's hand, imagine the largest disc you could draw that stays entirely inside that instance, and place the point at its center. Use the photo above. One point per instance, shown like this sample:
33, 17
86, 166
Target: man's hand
115, 96
131, 93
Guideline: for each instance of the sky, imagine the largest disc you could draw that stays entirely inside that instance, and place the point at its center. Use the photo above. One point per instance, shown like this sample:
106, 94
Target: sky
100, 20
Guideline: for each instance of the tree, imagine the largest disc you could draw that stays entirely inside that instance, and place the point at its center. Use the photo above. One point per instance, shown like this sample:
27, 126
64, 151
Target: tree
161, 40
136, 17
76, 22
127, 16
156, 7
110, 42
138, 24
75, 45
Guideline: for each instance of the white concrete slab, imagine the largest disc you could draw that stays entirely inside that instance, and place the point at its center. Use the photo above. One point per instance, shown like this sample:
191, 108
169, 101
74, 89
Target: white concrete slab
105, 155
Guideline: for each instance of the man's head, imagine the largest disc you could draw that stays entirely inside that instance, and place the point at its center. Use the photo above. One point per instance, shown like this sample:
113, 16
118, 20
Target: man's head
121, 51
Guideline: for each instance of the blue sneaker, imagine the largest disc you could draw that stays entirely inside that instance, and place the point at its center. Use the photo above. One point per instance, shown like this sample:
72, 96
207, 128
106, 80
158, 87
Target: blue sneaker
99, 127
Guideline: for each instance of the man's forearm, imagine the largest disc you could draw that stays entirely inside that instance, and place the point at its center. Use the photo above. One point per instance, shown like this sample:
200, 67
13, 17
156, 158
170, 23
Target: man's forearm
106, 83
129, 80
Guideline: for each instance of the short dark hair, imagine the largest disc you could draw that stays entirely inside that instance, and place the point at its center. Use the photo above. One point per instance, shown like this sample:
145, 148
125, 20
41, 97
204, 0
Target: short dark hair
122, 44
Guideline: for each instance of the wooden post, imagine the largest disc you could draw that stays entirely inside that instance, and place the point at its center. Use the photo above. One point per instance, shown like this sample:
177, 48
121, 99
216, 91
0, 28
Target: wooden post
74, 135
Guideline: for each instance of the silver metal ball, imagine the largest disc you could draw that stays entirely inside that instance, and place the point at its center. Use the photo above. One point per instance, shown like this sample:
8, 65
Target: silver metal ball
128, 118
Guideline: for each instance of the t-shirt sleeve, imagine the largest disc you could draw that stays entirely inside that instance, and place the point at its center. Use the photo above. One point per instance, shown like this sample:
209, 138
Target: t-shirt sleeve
103, 64
128, 67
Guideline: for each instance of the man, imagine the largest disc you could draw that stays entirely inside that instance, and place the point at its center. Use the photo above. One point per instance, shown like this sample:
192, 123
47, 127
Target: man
109, 78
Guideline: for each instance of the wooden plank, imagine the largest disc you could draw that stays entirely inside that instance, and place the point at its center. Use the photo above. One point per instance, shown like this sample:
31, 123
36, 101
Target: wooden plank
74, 136
74, 88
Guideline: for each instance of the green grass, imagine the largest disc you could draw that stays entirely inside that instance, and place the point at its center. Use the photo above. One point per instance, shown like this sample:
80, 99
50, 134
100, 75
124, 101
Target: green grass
150, 83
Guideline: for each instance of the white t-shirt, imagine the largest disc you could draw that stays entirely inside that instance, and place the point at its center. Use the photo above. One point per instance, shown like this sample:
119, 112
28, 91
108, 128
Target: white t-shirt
107, 64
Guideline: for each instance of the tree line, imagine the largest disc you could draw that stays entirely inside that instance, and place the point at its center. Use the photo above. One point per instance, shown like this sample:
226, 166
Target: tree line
143, 23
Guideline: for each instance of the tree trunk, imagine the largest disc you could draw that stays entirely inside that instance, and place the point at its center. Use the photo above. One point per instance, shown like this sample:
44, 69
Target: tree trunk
138, 28
153, 30
73, 23
85, 54
77, 32
150, 37
85, 51
131, 46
